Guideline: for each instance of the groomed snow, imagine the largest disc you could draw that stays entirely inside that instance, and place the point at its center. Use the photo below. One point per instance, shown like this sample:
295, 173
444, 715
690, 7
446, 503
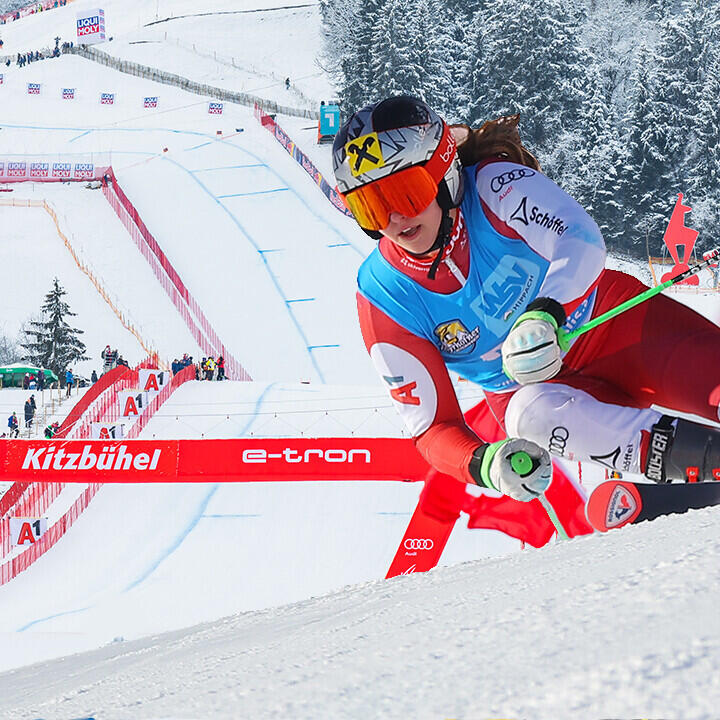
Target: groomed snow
623, 625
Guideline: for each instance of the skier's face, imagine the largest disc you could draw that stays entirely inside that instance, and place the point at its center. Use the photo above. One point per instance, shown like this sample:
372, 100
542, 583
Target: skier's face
415, 234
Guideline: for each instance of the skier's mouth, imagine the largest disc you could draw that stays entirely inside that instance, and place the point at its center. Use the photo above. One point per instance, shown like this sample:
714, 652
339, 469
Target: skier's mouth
410, 232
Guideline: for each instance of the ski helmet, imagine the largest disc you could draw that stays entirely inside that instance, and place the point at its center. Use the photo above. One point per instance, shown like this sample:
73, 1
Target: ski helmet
396, 155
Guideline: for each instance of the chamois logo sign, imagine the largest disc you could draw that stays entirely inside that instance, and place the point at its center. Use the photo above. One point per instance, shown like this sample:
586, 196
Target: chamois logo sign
364, 154
454, 337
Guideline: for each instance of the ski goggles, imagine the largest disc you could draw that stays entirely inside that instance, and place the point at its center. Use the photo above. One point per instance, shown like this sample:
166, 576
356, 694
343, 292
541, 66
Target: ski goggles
407, 192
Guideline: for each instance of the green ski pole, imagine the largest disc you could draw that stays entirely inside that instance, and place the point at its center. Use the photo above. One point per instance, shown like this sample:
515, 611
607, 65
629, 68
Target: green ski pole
565, 336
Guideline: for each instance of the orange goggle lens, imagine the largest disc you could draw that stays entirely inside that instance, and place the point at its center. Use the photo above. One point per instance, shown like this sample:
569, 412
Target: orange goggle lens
407, 192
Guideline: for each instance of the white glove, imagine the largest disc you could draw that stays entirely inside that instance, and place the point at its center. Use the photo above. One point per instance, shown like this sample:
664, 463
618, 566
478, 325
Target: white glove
531, 352
518, 468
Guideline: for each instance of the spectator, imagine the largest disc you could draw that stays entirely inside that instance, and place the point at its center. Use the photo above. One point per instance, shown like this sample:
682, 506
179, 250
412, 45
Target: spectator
109, 357
29, 411
93, 377
287, 83
26, 381
69, 380
221, 368
14, 425
41, 379
211, 368
51, 429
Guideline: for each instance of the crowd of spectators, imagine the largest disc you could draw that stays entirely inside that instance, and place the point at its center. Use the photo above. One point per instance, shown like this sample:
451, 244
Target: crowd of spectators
31, 10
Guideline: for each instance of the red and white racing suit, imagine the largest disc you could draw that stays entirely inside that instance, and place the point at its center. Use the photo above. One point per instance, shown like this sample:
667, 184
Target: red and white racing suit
598, 408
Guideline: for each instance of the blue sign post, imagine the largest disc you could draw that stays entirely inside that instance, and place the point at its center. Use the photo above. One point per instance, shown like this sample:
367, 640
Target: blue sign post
329, 123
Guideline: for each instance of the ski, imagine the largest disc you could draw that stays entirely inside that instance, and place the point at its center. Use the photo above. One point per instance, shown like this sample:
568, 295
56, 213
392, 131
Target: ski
619, 502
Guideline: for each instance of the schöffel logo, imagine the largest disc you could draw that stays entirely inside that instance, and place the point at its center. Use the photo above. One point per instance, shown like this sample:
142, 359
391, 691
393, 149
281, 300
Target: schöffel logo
84, 170
289, 455
62, 170
16, 169
215, 108
33, 88
114, 457
107, 98
68, 93
538, 217
150, 102
418, 544
39, 170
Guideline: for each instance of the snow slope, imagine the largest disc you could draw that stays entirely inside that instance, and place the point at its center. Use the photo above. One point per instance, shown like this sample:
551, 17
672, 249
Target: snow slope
621, 625
587, 628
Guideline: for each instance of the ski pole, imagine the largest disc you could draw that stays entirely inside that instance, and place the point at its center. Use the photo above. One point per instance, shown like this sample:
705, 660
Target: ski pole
522, 464
565, 336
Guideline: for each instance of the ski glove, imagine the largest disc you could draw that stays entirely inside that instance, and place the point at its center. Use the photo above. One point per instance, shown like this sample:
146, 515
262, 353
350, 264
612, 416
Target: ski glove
494, 466
532, 352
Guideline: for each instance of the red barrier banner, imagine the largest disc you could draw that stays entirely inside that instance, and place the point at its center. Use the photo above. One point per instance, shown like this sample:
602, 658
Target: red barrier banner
235, 460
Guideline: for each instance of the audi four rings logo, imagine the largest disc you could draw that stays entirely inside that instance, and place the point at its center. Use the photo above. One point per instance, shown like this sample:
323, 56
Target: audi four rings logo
558, 440
500, 181
418, 544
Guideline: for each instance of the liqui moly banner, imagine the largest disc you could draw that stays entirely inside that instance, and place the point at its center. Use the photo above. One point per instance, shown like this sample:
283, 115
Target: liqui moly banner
34, 88
234, 460
61, 171
150, 102
68, 93
2, 78
215, 108
39, 170
52, 168
107, 98
91, 26
152, 381
16, 170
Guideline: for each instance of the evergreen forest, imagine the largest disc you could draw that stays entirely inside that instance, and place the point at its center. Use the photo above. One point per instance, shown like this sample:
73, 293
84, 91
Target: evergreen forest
619, 99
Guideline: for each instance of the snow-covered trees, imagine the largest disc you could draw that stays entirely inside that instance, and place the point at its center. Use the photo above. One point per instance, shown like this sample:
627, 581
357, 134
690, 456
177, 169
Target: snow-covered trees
51, 342
619, 100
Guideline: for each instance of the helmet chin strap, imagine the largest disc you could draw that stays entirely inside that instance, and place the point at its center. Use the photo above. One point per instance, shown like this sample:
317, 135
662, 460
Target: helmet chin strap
441, 242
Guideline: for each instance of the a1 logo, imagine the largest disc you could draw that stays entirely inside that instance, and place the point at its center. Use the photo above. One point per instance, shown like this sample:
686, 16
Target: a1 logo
27, 531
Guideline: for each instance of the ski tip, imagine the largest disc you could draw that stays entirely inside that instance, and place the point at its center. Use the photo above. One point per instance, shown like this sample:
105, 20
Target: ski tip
612, 505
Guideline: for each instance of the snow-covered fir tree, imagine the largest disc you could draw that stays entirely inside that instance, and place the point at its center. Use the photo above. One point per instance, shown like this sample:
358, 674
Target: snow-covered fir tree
51, 342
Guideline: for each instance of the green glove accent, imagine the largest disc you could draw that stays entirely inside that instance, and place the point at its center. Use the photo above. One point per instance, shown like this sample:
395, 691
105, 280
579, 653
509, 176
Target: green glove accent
487, 458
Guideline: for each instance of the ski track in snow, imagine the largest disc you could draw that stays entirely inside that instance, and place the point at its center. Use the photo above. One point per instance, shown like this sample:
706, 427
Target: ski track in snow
620, 625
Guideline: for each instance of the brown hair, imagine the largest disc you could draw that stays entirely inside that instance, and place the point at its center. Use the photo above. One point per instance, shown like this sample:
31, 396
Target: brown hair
496, 138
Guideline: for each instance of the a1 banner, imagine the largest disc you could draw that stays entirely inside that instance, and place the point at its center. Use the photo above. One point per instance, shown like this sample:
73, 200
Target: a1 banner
27, 531
107, 98
133, 403
152, 381
91, 26
68, 93
34, 88
215, 108
107, 431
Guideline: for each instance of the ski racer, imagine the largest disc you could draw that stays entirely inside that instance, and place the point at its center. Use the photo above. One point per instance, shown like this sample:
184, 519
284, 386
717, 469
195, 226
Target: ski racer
480, 259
